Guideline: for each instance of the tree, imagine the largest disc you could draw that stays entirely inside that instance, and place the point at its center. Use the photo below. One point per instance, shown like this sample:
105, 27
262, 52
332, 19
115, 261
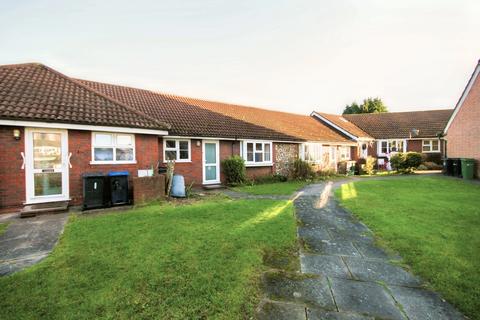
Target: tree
369, 105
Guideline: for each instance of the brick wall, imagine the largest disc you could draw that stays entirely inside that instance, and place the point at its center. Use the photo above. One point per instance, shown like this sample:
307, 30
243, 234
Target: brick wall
146, 189
12, 177
79, 144
463, 135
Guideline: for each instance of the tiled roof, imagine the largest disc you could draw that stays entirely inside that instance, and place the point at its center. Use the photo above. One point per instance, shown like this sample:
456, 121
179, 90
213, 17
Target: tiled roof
400, 124
34, 92
343, 123
201, 118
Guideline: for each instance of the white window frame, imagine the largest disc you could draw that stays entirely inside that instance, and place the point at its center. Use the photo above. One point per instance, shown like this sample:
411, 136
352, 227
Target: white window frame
114, 146
388, 141
345, 153
177, 149
313, 145
257, 163
429, 143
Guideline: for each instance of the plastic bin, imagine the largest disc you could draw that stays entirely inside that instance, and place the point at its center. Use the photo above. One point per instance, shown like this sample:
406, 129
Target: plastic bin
94, 191
456, 167
468, 168
118, 181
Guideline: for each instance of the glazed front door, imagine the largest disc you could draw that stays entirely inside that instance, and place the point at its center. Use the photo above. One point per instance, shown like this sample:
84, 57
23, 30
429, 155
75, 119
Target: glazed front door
46, 165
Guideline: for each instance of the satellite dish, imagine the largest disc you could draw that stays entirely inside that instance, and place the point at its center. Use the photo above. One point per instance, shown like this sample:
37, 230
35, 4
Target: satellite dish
414, 132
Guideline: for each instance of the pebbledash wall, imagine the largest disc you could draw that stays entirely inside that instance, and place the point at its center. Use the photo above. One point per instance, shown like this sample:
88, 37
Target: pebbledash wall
463, 133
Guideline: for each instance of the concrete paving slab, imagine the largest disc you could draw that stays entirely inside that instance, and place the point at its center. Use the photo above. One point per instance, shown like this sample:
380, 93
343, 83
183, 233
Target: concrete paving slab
313, 314
365, 298
274, 310
314, 232
331, 266
421, 304
310, 291
372, 251
332, 247
374, 270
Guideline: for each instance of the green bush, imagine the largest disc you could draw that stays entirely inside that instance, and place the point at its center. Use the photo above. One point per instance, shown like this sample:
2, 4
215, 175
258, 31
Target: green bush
369, 167
432, 165
406, 162
234, 170
422, 167
302, 170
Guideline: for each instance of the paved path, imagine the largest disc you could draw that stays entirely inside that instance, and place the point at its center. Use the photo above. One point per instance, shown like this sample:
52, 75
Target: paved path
344, 274
27, 241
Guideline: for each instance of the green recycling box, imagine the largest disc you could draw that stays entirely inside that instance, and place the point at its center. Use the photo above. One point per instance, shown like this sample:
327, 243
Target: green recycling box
468, 166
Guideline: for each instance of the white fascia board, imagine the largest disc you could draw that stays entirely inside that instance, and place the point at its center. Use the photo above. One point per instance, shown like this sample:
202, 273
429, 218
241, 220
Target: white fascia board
71, 126
348, 134
464, 95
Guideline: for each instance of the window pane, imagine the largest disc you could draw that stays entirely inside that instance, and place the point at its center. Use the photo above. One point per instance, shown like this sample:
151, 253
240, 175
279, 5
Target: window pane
124, 154
103, 139
183, 155
47, 150
435, 145
170, 144
267, 152
250, 152
124, 140
384, 148
183, 145
171, 155
210, 173
103, 154
426, 148
258, 146
47, 184
258, 157
210, 153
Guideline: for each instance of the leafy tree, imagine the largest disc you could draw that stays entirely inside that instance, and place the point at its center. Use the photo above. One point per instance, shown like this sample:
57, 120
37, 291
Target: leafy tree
369, 105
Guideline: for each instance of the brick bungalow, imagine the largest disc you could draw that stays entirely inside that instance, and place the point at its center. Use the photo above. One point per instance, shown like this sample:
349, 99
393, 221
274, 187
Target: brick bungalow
463, 127
383, 133
54, 128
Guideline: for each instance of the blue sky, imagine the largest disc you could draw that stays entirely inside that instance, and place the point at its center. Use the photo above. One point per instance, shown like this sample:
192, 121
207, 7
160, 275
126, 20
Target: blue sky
293, 56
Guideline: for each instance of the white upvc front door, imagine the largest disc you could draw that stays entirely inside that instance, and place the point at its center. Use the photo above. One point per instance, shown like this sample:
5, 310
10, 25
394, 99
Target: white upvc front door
46, 165
211, 161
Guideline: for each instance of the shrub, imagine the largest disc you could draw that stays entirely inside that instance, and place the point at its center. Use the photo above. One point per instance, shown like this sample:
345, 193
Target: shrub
422, 167
432, 165
369, 167
413, 160
406, 162
234, 170
326, 173
302, 170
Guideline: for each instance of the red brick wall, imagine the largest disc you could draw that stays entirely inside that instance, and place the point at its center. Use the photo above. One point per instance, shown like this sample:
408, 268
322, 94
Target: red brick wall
254, 172
146, 189
12, 177
463, 135
79, 144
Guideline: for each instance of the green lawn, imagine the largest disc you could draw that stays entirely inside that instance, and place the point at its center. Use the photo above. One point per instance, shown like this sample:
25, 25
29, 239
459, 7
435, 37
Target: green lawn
277, 188
433, 222
196, 261
3, 227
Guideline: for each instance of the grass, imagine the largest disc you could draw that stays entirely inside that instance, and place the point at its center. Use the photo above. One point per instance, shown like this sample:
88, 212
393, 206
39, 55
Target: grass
434, 223
3, 227
276, 188
196, 261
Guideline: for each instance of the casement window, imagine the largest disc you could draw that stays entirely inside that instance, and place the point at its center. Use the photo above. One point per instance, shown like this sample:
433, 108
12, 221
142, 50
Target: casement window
344, 153
312, 152
432, 145
257, 153
392, 145
176, 150
113, 148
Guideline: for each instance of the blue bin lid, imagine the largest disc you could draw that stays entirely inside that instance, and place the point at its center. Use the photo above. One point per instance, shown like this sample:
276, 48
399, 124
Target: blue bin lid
117, 173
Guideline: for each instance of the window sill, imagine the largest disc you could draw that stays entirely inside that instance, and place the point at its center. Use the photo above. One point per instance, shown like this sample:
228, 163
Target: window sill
178, 161
266, 164
431, 151
112, 162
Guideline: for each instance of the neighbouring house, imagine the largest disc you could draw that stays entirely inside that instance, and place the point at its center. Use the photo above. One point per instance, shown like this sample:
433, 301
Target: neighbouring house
383, 133
463, 127
55, 128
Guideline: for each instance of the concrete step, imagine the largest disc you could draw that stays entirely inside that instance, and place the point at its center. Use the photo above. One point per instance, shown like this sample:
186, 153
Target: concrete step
43, 208
213, 186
